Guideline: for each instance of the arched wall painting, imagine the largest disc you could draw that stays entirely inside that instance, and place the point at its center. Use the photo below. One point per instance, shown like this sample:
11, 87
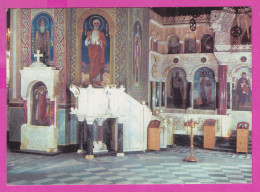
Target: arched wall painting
177, 88
42, 33
174, 45
137, 56
207, 44
40, 105
242, 89
204, 96
85, 65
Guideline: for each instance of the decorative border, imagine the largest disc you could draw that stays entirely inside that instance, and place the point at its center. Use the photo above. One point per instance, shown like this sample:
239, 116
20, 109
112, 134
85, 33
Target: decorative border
60, 53
26, 42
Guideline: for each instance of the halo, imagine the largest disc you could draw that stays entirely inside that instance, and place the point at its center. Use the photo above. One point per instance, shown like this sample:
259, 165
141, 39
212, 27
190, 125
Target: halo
204, 70
92, 19
45, 19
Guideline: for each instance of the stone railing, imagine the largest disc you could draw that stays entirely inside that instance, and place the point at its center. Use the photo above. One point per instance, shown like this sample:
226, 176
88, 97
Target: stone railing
244, 48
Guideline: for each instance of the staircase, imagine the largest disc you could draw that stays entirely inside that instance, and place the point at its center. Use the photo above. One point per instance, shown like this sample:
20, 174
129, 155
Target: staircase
230, 145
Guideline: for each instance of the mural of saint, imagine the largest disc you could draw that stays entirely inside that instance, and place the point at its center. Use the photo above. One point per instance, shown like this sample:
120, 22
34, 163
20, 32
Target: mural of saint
243, 89
204, 89
177, 89
42, 38
41, 105
96, 43
42, 42
242, 92
95, 51
137, 54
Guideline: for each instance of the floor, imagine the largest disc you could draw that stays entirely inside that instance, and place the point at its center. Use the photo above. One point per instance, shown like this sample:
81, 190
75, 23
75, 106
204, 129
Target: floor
163, 167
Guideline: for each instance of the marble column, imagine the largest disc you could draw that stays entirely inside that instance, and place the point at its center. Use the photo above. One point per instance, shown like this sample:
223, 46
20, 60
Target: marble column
99, 146
120, 146
222, 93
81, 137
88, 128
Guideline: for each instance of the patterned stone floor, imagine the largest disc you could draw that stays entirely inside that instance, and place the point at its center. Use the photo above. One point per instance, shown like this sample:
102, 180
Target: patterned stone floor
163, 167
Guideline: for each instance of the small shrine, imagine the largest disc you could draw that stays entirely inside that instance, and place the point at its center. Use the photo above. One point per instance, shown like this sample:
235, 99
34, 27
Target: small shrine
38, 90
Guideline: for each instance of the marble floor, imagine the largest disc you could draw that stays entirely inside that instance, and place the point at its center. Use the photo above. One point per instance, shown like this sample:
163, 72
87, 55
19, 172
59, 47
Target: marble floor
163, 167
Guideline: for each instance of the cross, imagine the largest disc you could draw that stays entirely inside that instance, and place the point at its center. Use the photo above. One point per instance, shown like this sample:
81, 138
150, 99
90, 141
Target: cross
38, 55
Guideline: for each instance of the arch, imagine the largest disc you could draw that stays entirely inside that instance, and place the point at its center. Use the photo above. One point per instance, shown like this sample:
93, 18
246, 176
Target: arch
236, 68
204, 89
213, 68
153, 34
89, 12
158, 36
207, 43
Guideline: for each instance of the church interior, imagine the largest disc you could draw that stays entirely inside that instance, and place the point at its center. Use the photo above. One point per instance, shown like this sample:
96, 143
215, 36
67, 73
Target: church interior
122, 95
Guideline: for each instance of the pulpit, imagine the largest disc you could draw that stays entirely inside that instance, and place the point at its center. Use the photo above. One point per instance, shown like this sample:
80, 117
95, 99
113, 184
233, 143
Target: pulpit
98, 104
154, 135
242, 137
209, 134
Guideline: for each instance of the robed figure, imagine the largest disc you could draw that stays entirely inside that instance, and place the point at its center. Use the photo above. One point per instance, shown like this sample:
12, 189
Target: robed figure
41, 106
205, 89
96, 43
177, 90
243, 89
42, 42
137, 57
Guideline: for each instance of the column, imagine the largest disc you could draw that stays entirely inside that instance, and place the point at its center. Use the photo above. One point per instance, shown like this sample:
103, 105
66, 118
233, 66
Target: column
99, 146
222, 94
81, 137
24, 111
120, 145
182, 46
88, 128
198, 46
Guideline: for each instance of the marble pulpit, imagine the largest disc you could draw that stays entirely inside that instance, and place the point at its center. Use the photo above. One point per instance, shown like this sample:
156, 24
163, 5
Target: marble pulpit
99, 104
39, 92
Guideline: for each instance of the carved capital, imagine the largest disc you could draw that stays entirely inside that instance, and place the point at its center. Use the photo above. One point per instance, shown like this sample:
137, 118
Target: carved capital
222, 57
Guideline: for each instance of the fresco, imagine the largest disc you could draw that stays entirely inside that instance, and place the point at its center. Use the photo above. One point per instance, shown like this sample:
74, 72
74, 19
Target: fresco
95, 45
242, 89
177, 92
207, 44
137, 47
42, 32
204, 89
40, 105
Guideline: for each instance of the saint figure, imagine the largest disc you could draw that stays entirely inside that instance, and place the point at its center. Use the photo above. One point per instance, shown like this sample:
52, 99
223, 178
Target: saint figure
205, 89
243, 89
137, 57
96, 43
42, 105
177, 90
42, 42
